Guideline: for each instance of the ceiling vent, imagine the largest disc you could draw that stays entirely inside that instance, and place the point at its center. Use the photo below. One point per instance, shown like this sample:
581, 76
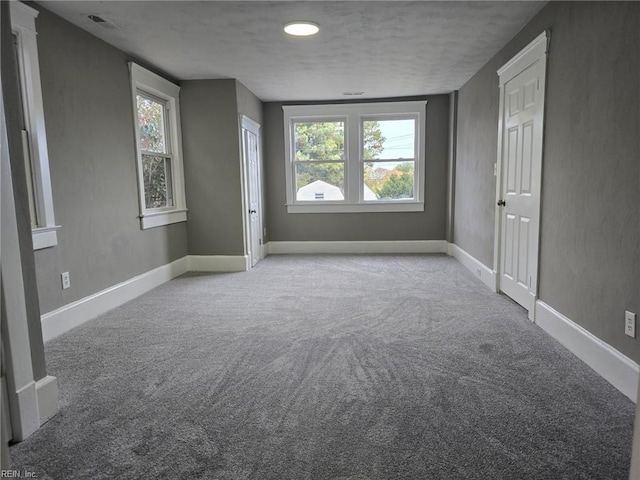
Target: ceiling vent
352, 94
103, 22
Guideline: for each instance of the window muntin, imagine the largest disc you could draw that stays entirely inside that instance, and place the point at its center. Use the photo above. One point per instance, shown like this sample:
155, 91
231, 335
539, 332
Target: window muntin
319, 160
158, 148
383, 160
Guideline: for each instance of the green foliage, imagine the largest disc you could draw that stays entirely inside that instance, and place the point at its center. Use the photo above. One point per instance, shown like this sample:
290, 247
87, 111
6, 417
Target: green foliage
151, 125
325, 141
156, 170
374, 178
320, 141
405, 167
309, 172
154, 173
373, 140
390, 184
397, 185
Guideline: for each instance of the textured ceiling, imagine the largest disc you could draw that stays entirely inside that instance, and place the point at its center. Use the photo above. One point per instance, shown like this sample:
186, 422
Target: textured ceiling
382, 48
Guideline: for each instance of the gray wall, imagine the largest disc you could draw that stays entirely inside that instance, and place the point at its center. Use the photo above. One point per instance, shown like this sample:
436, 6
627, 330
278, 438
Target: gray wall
89, 120
209, 110
251, 106
248, 103
589, 250
475, 186
427, 225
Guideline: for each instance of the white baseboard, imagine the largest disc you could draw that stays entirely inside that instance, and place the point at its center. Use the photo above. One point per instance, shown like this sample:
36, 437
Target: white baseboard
398, 246
25, 419
48, 406
218, 263
484, 273
32, 406
76, 313
619, 370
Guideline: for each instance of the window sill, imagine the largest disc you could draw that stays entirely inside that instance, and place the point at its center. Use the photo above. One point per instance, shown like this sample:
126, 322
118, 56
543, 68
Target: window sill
45, 237
357, 208
158, 219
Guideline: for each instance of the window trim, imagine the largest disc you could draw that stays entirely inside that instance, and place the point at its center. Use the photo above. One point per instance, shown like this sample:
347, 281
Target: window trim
155, 86
355, 114
23, 25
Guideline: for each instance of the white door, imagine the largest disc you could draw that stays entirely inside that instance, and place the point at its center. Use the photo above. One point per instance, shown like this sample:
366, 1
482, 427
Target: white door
522, 84
251, 159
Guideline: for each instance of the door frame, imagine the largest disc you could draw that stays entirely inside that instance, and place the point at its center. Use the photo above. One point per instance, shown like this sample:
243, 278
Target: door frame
535, 51
247, 123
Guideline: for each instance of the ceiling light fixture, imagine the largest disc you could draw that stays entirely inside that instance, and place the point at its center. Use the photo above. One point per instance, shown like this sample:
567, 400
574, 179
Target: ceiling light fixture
301, 28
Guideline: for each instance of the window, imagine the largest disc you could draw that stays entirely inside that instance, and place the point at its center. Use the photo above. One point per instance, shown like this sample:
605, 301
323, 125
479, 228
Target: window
159, 149
319, 159
34, 138
366, 157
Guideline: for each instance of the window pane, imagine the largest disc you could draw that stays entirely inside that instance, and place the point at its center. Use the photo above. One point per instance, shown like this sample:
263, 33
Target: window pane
389, 139
319, 181
319, 140
28, 168
157, 181
151, 123
388, 180
26, 150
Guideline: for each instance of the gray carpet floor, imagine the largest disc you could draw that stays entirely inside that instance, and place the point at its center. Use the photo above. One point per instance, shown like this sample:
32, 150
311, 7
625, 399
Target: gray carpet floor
326, 367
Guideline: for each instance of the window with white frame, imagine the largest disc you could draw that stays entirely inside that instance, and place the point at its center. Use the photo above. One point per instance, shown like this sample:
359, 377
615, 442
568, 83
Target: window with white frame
159, 148
364, 157
34, 138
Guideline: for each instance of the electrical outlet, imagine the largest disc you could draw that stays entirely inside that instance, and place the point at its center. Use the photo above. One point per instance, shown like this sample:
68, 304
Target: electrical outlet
66, 282
630, 324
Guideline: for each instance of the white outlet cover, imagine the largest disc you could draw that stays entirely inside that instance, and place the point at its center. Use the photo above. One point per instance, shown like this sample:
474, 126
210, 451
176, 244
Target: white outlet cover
630, 324
66, 282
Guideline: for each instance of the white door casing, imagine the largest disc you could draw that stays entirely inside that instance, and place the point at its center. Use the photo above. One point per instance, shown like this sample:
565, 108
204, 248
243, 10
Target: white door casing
250, 132
519, 172
18, 371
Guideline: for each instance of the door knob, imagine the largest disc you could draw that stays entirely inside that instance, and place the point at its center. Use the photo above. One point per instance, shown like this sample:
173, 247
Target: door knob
502, 203
252, 211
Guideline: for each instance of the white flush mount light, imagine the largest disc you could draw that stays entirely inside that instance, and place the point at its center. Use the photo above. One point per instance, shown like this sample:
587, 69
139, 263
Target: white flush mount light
301, 29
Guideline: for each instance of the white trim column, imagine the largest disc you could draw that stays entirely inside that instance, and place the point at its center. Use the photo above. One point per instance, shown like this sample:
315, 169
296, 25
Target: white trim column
23, 400
4, 411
